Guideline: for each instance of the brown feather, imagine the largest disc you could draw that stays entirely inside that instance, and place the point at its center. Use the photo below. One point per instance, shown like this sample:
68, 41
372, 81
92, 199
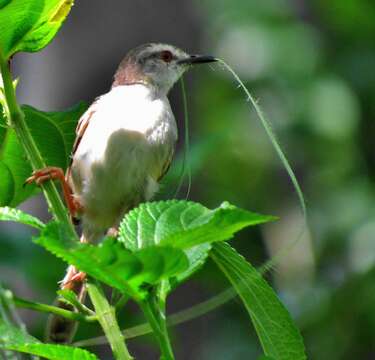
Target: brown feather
82, 125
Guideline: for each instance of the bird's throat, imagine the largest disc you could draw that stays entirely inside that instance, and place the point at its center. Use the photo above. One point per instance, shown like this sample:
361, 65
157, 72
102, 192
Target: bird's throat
130, 73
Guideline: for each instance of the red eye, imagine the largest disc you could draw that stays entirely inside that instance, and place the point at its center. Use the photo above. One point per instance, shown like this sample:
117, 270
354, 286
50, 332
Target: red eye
166, 56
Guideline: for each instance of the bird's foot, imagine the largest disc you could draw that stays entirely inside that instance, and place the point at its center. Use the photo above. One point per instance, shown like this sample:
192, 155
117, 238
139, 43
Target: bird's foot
113, 232
45, 174
78, 277
72, 279
55, 173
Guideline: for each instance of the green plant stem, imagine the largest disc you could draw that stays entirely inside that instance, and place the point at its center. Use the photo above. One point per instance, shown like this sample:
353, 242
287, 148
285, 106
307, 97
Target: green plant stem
107, 319
174, 319
80, 307
7, 313
22, 303
272, 137
156, 318
18, 123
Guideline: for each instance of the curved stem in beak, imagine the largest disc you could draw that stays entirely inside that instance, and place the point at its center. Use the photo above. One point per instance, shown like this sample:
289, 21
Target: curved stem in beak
197, 59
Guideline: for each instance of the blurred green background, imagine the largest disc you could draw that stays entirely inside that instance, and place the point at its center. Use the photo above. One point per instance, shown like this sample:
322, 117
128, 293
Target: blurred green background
311, 65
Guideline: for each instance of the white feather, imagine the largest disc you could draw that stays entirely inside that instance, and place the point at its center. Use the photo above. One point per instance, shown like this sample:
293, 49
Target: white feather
123, 151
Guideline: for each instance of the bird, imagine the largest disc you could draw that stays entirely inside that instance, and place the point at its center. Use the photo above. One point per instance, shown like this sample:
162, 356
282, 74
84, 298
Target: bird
124, 146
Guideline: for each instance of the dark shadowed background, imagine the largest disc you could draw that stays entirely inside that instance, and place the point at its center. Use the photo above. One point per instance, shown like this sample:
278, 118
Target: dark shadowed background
311, 65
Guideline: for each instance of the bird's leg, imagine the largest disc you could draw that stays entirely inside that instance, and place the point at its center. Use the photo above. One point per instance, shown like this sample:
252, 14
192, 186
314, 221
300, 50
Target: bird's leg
113, 231
73, 279
55, 173
73, 276
59, 329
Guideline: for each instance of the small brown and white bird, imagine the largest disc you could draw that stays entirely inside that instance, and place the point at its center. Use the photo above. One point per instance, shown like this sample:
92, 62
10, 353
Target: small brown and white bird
124, 144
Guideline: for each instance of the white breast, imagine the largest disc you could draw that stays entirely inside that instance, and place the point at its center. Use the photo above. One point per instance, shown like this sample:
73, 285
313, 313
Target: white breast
132, 108
129, 138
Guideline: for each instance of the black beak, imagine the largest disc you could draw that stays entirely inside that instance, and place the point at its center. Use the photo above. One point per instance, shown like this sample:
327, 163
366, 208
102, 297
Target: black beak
197, 59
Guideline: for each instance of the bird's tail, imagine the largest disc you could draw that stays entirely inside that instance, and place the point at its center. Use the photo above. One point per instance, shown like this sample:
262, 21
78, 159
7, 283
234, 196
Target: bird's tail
61, 330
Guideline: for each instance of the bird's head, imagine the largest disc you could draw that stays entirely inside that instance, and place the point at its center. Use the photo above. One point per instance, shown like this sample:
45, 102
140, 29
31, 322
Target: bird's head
160, 65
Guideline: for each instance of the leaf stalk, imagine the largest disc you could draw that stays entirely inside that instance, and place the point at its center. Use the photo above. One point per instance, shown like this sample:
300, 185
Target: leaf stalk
107, 319
71, 315
155, 315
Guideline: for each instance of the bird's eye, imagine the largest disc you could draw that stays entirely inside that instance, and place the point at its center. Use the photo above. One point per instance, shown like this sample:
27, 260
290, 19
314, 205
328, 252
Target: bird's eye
166, 56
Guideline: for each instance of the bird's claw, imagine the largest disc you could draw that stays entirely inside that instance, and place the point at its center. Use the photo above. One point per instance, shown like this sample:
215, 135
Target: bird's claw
54, 173
43, 175
70, 279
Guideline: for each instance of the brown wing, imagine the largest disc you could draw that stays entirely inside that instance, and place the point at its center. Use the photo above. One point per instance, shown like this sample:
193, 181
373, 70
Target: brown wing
82, 125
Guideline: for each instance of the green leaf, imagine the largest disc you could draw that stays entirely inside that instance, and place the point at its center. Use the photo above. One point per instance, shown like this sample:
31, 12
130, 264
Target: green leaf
183, 224
3, 3
278, 335
113, 264
10, 334
2, 105
197, 256
14, 339
29, 25
10, 214
53, 133
137, 231
186, 225
6, 184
